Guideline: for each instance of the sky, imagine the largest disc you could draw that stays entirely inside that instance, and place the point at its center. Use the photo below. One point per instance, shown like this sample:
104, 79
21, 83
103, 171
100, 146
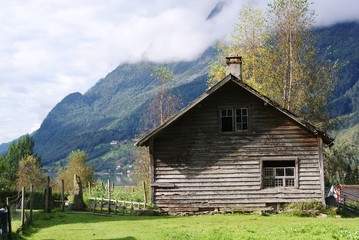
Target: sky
49, 49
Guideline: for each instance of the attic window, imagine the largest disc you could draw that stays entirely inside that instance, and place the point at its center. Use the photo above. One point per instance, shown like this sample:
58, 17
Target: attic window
234, 119
279, 173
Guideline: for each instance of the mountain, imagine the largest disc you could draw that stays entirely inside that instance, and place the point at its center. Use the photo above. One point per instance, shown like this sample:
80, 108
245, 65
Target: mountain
105, 120
342, 41
112, 110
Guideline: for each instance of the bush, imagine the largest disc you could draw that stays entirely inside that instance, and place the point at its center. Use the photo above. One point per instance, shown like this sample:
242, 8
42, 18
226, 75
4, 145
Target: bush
305, 209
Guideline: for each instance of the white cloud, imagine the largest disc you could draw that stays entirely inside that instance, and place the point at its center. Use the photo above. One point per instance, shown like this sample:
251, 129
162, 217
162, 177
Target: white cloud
50, 49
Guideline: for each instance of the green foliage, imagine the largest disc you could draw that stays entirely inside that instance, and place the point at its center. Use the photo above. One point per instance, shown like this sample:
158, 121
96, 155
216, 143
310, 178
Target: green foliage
305, 209
120, 193
142, 167
280, 58
9, 162
341, 163
76, 166
29, 172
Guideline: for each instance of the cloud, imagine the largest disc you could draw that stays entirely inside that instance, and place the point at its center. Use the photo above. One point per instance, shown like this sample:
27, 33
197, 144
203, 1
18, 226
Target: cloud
50, 49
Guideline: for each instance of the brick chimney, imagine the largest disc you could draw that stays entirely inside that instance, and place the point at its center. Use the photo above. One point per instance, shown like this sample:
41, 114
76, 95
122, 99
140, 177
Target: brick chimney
234, 66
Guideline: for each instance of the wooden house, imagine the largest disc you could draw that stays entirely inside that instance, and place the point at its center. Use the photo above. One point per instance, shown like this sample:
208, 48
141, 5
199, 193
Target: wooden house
233, 147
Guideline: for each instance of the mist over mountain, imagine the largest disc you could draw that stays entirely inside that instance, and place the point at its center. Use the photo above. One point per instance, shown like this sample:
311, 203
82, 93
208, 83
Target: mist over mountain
105, 120
112, 110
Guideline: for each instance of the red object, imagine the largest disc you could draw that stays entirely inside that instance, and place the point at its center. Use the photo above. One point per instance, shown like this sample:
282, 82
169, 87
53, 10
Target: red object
338, 188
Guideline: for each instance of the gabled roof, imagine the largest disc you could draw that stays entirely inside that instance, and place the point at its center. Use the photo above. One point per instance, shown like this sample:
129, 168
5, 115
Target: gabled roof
312, 129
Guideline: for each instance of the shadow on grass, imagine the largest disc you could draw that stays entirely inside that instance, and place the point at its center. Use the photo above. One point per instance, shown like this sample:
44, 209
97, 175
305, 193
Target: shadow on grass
43, 220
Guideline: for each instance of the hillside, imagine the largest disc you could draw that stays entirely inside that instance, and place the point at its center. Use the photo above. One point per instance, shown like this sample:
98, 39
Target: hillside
112, 110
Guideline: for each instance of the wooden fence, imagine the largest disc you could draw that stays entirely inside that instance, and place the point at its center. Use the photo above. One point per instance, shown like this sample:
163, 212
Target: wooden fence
106, 205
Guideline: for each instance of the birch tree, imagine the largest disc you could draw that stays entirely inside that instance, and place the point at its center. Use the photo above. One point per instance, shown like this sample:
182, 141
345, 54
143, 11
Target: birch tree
164, 103
280, 59
249, 41
306, 79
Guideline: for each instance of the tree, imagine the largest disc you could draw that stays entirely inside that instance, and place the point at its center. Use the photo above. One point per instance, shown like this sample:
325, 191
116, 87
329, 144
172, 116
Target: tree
280, 59
29, 172
306, 79
142, 166
4, 181
341, 163
16, 151
164, 104
249, 41
76, 165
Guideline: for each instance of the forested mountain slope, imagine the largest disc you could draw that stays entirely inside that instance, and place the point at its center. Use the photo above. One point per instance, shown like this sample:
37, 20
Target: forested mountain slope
112, 109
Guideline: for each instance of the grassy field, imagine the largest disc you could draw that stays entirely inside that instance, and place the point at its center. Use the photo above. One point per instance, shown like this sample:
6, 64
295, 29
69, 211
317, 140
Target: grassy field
68, 225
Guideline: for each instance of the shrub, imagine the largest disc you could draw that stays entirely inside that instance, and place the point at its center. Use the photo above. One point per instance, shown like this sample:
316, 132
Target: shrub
305, 209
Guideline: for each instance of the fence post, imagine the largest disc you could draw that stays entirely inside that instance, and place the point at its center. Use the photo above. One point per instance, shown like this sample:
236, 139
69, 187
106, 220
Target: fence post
89, 185
109, 195
22, 207
47, 196
62, 195
31, 202
8, 215
133, 190
144, 194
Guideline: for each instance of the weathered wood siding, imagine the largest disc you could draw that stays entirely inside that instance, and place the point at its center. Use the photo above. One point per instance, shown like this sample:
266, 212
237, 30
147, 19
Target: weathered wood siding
197, 167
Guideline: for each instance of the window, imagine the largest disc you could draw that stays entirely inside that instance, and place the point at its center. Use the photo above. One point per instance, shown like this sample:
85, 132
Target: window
234, 119
241, 119
279, 173
227, 120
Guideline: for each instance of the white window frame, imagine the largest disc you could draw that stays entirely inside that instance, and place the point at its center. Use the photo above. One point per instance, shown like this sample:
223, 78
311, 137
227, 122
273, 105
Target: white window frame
283, 178
244, 118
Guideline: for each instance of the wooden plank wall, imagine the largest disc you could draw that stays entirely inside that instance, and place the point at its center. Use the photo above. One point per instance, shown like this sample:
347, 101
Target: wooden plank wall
196, 167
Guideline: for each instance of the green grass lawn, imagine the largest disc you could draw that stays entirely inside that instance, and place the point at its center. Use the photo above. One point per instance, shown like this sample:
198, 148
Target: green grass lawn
67, 225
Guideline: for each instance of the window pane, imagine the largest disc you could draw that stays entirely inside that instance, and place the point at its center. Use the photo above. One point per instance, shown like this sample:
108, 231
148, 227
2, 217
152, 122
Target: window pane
278, 182
227, 124
244, 126
229, 112
268, 172
238, 112
289, 182
289, 171
279, 171
223, 112
245, 119
244, 111
268, 182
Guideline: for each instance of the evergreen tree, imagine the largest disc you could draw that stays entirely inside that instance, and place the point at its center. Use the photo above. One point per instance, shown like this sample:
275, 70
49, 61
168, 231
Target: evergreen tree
18, 150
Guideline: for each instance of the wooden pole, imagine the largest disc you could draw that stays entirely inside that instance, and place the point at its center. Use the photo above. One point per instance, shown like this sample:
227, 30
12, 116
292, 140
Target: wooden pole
89, 184
8, 216
31, 202
133, 190
62, 195
144, 194
109, 195
47, 196
22, 207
